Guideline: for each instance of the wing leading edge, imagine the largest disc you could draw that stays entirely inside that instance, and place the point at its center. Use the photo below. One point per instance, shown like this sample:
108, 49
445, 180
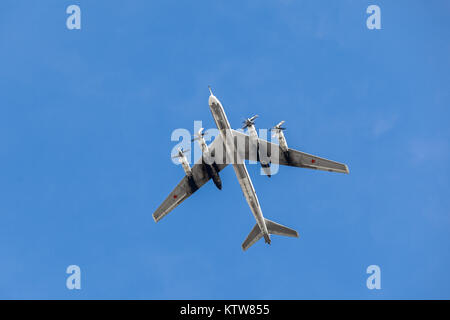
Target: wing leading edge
272, 151
187, 186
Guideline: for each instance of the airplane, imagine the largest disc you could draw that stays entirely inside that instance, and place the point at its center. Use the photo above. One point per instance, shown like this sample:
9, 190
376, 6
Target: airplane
234, 147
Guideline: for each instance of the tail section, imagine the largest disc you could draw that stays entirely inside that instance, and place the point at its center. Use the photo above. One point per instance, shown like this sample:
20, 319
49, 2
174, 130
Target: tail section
252, 237
278, 229
273, 228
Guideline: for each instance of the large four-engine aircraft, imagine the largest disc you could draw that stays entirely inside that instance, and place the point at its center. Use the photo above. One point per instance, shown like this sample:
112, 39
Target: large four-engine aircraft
234, 147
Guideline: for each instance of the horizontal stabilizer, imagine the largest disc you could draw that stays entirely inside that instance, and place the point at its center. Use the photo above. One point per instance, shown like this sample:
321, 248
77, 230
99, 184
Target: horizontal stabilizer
278, 229
273, 228
252, 237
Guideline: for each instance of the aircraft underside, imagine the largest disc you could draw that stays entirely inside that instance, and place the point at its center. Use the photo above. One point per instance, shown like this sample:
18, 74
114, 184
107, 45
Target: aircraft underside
238, 148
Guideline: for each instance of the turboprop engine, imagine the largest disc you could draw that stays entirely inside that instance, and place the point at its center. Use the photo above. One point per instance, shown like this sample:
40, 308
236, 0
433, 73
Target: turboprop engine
254, 147
186, 167
208, 161
278, 132
199, 136
184, 162
249, 124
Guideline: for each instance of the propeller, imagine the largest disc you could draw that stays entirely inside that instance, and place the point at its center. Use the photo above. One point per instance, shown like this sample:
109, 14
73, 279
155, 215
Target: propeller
278, 128
181, 152
200, 134
249, 122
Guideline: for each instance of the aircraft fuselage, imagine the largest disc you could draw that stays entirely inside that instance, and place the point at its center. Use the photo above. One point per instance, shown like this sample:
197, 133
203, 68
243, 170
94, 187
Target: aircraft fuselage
240, 169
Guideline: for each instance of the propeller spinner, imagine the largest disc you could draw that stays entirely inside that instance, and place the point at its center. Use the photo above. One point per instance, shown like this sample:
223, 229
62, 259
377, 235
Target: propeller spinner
181, 153
278, 128
249, 122
200, 134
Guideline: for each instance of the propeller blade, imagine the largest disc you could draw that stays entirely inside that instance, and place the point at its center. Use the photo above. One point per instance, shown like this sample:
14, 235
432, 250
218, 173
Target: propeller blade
199, 134
279, 127
249, 121
280, 124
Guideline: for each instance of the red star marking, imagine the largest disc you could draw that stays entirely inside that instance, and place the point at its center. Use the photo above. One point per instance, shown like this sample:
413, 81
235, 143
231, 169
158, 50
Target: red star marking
312, 160
174, 196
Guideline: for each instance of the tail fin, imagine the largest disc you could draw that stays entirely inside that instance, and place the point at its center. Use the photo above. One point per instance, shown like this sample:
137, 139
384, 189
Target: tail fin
273, 228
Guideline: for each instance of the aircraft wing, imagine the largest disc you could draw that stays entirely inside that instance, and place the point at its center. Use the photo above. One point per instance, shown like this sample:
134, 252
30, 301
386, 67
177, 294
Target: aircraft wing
293, 158
184, 189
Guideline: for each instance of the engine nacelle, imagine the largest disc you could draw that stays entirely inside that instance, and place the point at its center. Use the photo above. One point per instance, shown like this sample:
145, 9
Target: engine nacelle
278, 131
208, 161
186, 166
255, 148
213, 172
282, 141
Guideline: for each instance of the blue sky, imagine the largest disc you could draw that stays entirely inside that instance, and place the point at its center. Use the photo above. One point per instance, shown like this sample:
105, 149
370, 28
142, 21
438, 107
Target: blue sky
85, 123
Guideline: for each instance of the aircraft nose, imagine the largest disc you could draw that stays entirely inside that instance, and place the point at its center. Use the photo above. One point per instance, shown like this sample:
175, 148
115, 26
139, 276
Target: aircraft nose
212, 99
